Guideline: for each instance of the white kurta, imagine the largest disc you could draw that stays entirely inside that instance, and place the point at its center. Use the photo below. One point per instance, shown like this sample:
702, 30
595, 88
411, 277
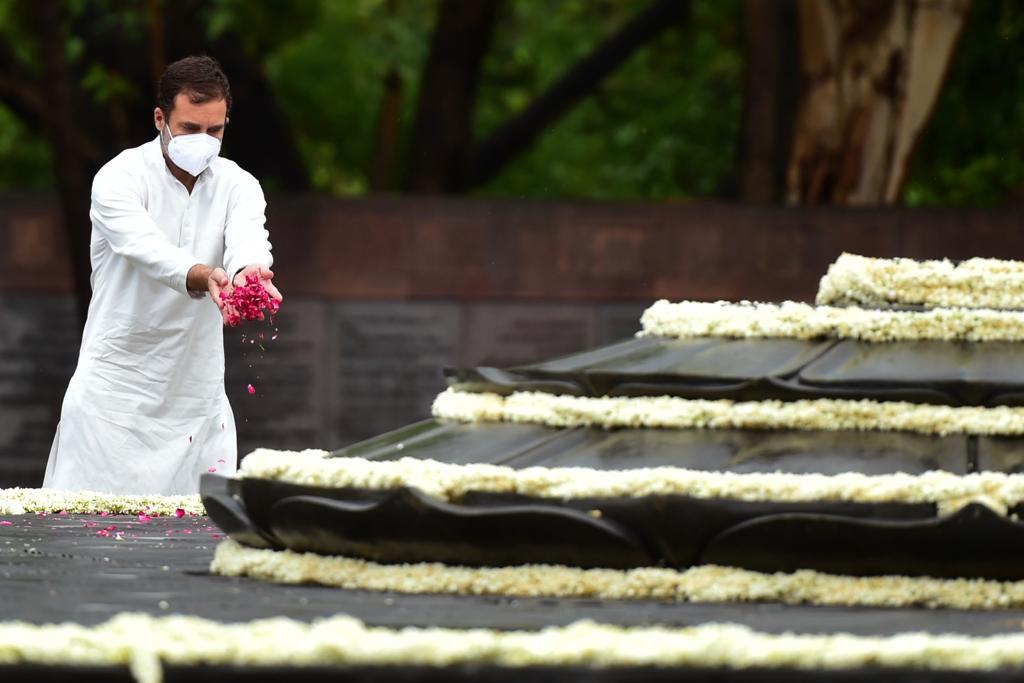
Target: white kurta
146, 411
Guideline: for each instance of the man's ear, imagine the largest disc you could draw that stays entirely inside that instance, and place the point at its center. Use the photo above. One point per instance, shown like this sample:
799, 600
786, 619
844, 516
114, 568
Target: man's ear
158, 119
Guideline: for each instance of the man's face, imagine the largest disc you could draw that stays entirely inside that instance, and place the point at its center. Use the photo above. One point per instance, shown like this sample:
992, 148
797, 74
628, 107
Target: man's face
187, 118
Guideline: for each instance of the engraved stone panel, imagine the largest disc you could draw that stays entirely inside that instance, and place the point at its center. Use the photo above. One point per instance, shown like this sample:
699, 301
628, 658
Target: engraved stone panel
385, 364
39, 342
287, 411
618, 321
512, 334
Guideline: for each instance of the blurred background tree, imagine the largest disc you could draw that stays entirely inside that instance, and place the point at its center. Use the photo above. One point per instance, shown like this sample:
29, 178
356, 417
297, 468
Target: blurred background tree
351, 97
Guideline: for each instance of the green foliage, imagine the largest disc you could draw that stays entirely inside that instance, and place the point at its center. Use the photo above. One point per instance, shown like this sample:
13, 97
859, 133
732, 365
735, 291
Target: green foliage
25, 160
971, 152
663, 125
330, 82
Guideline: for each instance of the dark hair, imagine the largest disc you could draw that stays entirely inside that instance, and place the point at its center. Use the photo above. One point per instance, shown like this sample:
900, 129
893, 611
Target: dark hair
201, 78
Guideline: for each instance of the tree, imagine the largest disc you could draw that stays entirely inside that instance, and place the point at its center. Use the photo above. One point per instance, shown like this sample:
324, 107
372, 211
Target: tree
769, 98
872, 71
444, 120
444, 156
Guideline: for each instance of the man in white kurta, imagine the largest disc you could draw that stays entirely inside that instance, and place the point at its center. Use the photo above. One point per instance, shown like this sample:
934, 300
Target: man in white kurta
146, 411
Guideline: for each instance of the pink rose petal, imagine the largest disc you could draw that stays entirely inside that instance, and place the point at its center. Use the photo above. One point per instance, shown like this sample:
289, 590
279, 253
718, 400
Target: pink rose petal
144, 518
179, 513
5, 523
212, 470
252, 389
222, 461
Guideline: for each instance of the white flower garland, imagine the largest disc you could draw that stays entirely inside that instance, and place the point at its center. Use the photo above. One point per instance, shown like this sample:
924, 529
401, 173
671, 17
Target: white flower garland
451, 482
978, 283
704, 583
146, 643
19, 501
802, 321
669, 412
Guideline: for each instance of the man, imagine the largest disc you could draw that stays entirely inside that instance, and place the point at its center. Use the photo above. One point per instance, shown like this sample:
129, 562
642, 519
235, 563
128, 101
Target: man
146, 412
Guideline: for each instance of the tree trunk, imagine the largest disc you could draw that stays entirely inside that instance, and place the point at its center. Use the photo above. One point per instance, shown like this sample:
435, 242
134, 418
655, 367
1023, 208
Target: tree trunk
61, 124
769, 99
518, 134
443, 130
872, 72
385, 148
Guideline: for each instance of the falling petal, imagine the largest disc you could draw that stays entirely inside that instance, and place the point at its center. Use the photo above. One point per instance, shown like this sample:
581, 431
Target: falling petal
212, 470
190, 439
5, 523
273, 338
252, 389
222, 461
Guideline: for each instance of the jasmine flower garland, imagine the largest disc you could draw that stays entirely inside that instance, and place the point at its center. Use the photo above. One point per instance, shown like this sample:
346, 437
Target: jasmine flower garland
704, 583
344, 641
670, 412
452, 482
19, 501
802, 321
978, 282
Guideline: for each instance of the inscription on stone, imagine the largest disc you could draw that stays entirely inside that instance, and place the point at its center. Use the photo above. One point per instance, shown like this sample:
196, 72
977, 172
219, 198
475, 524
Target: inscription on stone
287, 411
504, 335
385, 363
618, 321
39, 341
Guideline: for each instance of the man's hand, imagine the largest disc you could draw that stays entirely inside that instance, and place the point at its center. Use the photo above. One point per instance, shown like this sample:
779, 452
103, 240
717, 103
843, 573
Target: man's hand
266, 277
217, 283
203, 278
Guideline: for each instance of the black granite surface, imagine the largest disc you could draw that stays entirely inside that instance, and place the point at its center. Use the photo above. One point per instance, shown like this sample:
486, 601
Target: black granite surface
927, 371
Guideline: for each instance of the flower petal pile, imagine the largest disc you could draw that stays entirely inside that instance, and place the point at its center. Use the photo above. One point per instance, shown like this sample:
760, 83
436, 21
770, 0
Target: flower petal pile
249, 301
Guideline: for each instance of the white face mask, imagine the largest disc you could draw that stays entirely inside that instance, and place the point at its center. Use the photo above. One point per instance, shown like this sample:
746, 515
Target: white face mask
192, 153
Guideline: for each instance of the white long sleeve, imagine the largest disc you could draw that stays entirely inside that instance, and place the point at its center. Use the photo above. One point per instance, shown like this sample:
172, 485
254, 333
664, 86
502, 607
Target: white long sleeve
120, 217
245, 237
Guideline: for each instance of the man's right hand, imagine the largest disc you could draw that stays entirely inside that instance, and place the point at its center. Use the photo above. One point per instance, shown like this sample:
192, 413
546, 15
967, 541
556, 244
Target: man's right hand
203, 278
218, 282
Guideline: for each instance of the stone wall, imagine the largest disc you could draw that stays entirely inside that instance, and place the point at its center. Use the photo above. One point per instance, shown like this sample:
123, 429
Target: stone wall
381, 293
